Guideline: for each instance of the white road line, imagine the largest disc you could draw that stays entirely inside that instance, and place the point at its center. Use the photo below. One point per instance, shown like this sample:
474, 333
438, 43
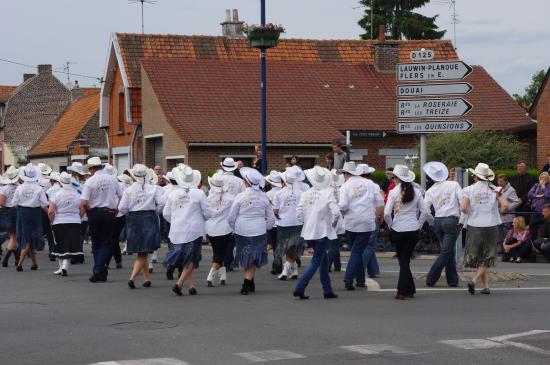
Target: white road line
463, 289
270, 355
376, 349
516, 335
526, 347
473, 344
157, 361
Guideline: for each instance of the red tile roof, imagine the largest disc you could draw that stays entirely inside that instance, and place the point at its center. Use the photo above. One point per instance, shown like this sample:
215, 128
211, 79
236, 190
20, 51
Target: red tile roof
219, 101
5, 92
137, 47
70, 124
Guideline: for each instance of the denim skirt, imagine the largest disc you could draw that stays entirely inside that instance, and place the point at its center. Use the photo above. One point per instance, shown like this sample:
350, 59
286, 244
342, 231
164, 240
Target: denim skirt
142, 231
183, 254
481, 247
29, 228
8, 219
251, 251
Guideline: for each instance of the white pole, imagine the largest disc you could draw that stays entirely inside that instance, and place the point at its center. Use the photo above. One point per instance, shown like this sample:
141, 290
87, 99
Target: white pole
423, 153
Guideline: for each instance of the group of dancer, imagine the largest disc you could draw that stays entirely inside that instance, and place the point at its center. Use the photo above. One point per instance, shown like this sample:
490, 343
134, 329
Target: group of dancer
243, 209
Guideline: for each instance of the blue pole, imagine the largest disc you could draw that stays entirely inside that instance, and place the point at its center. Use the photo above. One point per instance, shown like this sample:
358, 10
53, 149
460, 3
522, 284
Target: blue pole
264, 99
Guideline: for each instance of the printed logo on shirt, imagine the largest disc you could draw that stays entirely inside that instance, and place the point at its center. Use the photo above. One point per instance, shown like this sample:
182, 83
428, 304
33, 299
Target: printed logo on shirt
482, 198
181, 201
101, 186
65, 199
137, 198
27, 194
311, 197
443, 200
358, 191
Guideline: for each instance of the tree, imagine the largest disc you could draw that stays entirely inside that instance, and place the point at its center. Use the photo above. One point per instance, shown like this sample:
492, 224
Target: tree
531, 91
499, 151
399, 19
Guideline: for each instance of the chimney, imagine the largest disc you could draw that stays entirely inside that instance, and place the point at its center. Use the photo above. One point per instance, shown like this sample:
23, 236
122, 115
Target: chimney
44, 69
386, 53
28, 76
76, 92
232, 27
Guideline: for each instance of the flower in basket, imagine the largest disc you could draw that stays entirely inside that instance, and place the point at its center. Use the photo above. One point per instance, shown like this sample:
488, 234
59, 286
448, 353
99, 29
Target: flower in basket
270, 27
263, 36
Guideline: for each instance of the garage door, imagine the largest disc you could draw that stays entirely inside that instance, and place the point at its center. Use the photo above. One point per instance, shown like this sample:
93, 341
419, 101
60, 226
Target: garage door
122, 162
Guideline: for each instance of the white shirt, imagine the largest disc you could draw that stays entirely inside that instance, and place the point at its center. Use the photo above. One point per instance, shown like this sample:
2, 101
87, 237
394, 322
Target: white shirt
102, 191
359, 198
50, 193
445, 196
251, 213
186, 210
67, 202
232, 184
30, 195
271, 193
141, 197
340, 228
8, 191
318, 210
220, 204
483, 205
286, 200
168, 188
406, 217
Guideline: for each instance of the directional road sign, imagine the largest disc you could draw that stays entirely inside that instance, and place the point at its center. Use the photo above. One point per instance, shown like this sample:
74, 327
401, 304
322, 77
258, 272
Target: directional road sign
436, 126
429, 71
369, 134
433, 89
423, 108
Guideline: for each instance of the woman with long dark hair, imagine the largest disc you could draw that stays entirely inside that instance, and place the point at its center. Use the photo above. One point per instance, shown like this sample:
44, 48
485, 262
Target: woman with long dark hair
409, 214
8, 212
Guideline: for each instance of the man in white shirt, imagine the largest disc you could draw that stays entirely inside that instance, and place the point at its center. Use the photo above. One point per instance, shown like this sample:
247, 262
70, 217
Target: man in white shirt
100, 198
361, 204
445, 197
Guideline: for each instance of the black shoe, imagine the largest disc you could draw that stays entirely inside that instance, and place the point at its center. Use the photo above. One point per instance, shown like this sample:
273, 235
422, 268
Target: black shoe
176, 289
193, 291
63, 272
294, 277
94, 278
330, 296
471, 288
209, 284
276, 272
299, 262
349, 286
245, 288
430, 284
119, 265
364, 286
222, 282
150, 271
147, 284
300, 295
252, 286
131, 284
19, 268
34, 267
485, 291
283, 278
169, 273
6, 259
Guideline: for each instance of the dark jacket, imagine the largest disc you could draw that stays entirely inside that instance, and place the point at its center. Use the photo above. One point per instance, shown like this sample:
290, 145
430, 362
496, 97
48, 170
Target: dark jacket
545, 230
522, 184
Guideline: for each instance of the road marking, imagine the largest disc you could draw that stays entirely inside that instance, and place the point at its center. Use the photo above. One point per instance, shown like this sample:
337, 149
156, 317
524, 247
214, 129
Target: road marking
376, 349
464, 288
158, 361
526, 347
270, 355
516, 335
473, 344
372, 285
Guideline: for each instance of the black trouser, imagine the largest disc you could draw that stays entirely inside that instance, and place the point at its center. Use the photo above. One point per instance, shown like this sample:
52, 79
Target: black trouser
120, 223
277, 264
219, 247
102, 229
404, 247
229, 255
47, 229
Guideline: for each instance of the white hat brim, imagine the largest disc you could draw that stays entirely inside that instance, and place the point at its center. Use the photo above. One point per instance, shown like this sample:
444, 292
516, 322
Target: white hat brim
484, 178
191, 184
226, 168
409, 178
435, 178
274, 183
327, 179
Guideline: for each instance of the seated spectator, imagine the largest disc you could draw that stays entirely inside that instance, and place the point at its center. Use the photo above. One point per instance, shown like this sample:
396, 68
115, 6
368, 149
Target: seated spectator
540, 196
542, 243
517, 244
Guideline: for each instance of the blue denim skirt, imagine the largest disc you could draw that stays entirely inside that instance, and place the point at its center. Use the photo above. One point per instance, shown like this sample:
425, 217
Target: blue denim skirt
251, 251
142, 232
29, 228
8, 219
184, 253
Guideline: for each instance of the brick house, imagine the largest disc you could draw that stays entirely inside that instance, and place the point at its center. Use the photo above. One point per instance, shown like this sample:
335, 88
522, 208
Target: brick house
540, 111
76, 135
31, 110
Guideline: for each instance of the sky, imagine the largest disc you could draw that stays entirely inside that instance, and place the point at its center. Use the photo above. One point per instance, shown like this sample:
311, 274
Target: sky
510, 39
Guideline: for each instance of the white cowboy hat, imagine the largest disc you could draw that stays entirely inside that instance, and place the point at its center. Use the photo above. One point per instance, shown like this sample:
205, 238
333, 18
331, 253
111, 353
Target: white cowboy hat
274, 179
337, 178
365, 169
403, 173
350, 168
54, 176
216, 182
319, 177
125, 179
152, 177
139, 171
110, 169
169, 176
437, 171
186, 176
293, 174
228, 164
11, 176
65, 178
483, 172
44, 169
30, 173
253, 177
77, 168
94, 162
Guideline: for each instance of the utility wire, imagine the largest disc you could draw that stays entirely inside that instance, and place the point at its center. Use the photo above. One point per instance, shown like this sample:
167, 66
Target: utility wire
100, 79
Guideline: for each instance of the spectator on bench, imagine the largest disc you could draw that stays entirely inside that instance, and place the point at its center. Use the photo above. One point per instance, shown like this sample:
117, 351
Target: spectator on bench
542, 244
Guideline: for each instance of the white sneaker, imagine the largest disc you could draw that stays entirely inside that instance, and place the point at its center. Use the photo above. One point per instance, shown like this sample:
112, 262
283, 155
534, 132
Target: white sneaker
150, 264
294, 271
211, 275
518, 260
60, 270
223, 275
155, 256
286, 270
125, 249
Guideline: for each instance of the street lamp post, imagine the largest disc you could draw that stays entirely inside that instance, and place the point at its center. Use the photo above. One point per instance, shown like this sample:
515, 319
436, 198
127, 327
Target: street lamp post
264, 97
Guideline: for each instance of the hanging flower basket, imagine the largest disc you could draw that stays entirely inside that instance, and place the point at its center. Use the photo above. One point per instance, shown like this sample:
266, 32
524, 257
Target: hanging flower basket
263, 36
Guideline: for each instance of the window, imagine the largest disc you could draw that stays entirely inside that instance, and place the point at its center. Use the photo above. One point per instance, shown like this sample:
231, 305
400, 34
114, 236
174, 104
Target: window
154, 153
173, 162
121, 109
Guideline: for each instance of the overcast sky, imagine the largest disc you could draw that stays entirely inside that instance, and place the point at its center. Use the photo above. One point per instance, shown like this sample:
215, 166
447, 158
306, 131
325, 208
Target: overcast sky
510, 38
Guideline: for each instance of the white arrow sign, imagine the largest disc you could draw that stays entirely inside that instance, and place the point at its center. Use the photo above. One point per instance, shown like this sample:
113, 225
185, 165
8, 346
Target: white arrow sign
423, 108
436, 126
433, 89
426, 71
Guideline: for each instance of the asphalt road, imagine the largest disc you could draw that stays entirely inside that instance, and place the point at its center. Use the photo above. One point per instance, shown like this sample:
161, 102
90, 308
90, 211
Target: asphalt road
45, 319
